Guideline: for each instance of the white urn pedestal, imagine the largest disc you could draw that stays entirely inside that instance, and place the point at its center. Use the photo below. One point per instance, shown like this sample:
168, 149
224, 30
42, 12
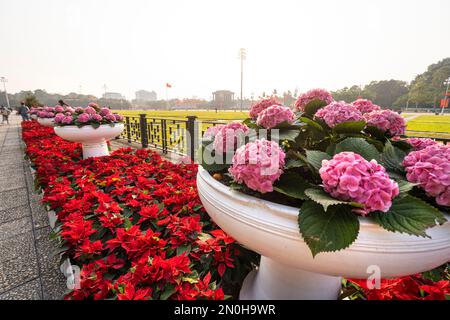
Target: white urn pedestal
94, 141
46, 122
288, 269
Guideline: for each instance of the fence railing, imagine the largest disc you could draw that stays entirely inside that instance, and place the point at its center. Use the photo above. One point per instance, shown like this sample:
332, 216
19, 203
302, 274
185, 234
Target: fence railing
180, 136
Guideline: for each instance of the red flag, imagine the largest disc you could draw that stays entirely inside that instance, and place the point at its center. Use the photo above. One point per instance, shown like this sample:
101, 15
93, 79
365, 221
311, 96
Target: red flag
168, 85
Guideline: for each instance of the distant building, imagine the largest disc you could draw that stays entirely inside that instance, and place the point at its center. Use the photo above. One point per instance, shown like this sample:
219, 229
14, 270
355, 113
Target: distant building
223, 98
143, 95
113, 96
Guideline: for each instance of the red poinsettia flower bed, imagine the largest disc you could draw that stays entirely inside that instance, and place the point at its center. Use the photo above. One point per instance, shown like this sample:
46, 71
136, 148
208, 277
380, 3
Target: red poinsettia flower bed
135, 226
133, 223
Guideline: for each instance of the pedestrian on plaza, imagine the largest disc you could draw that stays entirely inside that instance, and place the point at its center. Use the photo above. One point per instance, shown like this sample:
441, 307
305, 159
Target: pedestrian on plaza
23, 111
5, 114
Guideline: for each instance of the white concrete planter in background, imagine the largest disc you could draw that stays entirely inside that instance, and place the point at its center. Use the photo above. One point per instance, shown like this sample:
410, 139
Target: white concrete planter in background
46, 122
34, 116
288, 269
93, 140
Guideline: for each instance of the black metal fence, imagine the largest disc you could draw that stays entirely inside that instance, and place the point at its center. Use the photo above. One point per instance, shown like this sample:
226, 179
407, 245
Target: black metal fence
180, 136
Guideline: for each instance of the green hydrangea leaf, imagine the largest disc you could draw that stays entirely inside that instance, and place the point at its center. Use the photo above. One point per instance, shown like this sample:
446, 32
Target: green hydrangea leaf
327, 231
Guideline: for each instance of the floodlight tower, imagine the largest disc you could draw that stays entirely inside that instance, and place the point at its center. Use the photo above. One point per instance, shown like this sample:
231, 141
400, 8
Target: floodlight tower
242, 56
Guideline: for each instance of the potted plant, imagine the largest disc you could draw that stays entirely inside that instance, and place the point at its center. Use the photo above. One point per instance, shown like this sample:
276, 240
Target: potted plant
91, 126
45, 115
327, 190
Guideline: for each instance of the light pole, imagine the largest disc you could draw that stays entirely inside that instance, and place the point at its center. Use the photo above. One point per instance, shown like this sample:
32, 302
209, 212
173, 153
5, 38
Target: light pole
4, 80
242, 56
446, 82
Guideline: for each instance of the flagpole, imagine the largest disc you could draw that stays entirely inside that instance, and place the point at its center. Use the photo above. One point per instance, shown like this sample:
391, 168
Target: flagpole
167, 97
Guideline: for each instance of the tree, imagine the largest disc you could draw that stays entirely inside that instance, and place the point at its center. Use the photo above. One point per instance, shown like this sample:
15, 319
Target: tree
384, 93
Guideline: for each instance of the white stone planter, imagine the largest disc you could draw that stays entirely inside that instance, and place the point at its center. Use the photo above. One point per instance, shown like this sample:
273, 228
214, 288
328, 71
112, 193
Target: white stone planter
46, 122
288, 270
92, 140
34, 117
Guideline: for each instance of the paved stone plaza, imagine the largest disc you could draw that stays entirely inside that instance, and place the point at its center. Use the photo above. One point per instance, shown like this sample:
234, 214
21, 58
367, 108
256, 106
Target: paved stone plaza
29, 267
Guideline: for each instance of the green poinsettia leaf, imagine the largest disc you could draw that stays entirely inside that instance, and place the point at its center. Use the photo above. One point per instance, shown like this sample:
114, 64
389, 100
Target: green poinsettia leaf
349, 127
315, 158
392, 158
327, 231
325, 200
359, 146
409, 215
170, 290
292, 185
314, 105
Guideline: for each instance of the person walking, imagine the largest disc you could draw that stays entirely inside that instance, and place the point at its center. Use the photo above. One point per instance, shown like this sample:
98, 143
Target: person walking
5, 114
23, 111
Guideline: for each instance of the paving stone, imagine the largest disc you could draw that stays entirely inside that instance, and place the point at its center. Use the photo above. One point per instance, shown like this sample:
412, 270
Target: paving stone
14, 214
18, 261
54, 285
15, 227
47, 250
40, 215
13, 198
12, 180
10, 165
28, 291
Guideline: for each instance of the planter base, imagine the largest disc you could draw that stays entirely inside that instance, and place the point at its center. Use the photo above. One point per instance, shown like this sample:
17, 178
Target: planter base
275, 281
98, 149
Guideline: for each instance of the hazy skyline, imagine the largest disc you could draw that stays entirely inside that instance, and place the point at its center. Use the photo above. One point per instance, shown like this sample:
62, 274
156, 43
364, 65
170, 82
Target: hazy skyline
193, 45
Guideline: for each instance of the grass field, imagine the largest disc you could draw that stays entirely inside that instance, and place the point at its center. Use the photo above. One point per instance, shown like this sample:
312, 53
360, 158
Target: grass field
429, 125
180, 114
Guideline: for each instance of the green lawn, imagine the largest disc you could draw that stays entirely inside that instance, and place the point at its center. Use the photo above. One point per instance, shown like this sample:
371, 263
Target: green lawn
429, 125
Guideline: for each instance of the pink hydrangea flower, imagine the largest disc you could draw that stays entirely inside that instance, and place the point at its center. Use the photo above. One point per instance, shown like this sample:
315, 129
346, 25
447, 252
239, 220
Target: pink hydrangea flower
118, 117
229, 137
84, 117
104, 112
258, 164
365, 106
59, 118
387, 121
338, 112
67, 120
59, 109
96, 117
421, 143
93, 105
90, 110
262, 105
212, 131
350, 177
274, 115
430, 168
110, 117
79, 110
313, 94
70, 109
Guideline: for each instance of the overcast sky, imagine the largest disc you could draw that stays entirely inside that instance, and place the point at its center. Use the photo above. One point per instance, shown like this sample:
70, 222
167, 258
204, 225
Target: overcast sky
59, 45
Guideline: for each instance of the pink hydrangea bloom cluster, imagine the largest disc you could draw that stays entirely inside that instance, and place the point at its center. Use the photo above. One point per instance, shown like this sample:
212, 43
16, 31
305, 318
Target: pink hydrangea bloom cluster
79, 115
275, 115
212, 131
258, 164
365, 106
46, 112
430, 168
262, 105
421, 143
387, 121
229, 137
350, 177
338, 112
313, 94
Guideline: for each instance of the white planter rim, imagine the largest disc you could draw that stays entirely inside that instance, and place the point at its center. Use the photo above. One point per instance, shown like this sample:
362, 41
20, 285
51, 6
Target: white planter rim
74, 127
